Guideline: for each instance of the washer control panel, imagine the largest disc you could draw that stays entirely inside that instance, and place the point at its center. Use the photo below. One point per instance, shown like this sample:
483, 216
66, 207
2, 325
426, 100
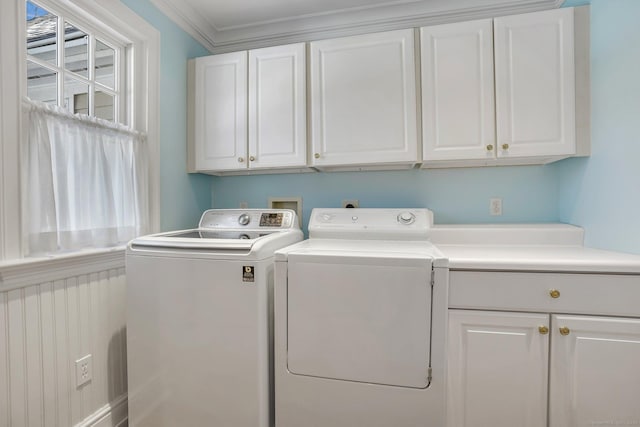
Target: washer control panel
250, 219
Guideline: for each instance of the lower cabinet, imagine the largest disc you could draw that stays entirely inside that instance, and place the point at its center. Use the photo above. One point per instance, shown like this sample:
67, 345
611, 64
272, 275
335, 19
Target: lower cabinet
505, 367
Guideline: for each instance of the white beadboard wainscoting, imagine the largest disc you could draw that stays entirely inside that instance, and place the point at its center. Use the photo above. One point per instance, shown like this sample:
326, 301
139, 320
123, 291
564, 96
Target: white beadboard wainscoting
52, 313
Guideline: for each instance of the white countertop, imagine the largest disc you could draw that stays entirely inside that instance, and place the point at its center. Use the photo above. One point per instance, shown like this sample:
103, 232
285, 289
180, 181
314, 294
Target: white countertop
532, 247
539, 258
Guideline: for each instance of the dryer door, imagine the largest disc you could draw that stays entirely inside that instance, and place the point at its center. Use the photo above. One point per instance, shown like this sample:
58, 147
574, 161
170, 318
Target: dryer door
360, 317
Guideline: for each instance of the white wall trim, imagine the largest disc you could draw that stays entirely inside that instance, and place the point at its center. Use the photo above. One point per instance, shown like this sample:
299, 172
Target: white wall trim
30, 271
106, 411
338, 24
11, 67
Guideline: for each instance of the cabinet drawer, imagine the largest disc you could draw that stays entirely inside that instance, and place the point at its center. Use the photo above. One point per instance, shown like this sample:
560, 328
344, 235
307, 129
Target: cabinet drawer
606, 294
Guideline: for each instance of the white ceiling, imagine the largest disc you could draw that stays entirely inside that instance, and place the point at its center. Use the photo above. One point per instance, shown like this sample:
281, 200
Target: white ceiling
224, 25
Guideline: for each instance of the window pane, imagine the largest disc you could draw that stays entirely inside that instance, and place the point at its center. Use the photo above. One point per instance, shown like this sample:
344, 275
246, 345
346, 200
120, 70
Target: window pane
76, 50
105, 59
41, 33
76, 95
104, 108
41, 83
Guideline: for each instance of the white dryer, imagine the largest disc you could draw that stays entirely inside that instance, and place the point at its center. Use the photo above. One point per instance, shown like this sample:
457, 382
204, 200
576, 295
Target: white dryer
360, 321
199, 320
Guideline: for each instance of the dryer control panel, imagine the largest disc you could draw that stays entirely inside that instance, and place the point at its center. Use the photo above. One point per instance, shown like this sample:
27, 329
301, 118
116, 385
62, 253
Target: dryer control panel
363, 223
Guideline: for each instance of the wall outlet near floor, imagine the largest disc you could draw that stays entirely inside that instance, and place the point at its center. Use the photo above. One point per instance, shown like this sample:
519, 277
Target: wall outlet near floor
351, 203
84, 370
495, 207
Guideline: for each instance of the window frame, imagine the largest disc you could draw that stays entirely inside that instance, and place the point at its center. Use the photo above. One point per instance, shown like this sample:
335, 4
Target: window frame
117, 21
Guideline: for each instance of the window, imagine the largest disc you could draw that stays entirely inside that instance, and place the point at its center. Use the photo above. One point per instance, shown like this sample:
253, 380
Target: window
72, 67
97, 61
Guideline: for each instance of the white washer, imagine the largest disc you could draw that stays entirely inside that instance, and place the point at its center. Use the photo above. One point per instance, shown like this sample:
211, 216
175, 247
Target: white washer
360, 321
199, 320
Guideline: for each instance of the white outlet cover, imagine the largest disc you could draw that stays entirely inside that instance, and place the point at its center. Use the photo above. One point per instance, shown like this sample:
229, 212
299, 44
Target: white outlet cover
84, 370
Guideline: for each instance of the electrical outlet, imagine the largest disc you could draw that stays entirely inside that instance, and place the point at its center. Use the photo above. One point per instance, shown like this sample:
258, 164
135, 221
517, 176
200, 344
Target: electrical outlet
495, 207
351, 203
84, 370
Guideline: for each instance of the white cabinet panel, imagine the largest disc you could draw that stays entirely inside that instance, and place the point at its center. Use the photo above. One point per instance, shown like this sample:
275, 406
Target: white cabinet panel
535, 84
221, 111
595, 378
497, 369
277, 107
458, 118
363, 100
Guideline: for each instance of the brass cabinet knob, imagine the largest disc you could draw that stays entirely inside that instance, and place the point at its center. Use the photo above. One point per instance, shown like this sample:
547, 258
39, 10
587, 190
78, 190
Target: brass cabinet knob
240, 159
565, 331
489, 147
505, 146
543, 330
252, 159
554, 293
317, 155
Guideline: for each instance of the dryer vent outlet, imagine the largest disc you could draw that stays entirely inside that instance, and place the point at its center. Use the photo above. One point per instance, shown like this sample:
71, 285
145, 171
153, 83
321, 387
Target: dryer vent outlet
351, 203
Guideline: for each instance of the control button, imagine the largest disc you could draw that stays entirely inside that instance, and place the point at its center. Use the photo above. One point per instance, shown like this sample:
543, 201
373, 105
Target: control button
326, 217
244, 236
244, 219
406, 218
354, 218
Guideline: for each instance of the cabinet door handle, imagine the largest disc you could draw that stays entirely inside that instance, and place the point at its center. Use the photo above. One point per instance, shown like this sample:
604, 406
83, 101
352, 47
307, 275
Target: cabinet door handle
543, 330
565, 331
505, 146
240, 159
554, 293
317, 155
252, 159
489, 147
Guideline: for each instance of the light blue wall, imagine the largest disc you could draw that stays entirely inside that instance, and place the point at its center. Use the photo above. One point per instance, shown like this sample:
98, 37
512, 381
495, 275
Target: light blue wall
602, 193
455, 195
183, 196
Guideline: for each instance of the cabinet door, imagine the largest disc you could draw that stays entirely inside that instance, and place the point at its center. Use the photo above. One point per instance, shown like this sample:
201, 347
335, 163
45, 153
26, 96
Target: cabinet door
594, 378
458, 118
221, 112
363, 100
535, 93
277, 107
497, 374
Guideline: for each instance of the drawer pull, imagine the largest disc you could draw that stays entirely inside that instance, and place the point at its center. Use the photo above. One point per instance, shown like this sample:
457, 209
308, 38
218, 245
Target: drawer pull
489, 147
554, 293
543, 330
565, 331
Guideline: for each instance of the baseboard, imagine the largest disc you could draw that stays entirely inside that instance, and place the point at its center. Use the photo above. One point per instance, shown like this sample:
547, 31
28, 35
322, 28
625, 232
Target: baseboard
112, 414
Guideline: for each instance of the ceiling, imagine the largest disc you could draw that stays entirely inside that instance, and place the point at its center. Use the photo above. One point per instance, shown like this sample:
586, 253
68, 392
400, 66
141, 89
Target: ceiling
225, 25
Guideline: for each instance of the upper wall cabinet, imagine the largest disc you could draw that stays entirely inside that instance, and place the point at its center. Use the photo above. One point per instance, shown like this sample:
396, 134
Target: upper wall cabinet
363, 102
250, 111
458, 118
534, 90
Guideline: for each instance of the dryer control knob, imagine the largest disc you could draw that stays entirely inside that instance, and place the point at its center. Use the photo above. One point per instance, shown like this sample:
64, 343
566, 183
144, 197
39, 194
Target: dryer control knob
406, 218
244, 219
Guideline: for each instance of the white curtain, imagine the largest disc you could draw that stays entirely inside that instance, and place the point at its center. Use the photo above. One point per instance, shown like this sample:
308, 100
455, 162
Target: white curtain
85, 181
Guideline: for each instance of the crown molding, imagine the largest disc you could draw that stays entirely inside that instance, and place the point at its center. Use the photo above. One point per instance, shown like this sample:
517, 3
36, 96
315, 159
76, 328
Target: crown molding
340, 23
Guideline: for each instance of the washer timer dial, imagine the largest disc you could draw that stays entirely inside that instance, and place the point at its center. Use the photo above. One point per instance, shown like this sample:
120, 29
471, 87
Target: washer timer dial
244, 219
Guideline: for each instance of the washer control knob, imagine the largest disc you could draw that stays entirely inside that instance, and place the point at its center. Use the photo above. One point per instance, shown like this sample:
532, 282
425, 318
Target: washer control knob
244, 219
406, 218
244, 236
